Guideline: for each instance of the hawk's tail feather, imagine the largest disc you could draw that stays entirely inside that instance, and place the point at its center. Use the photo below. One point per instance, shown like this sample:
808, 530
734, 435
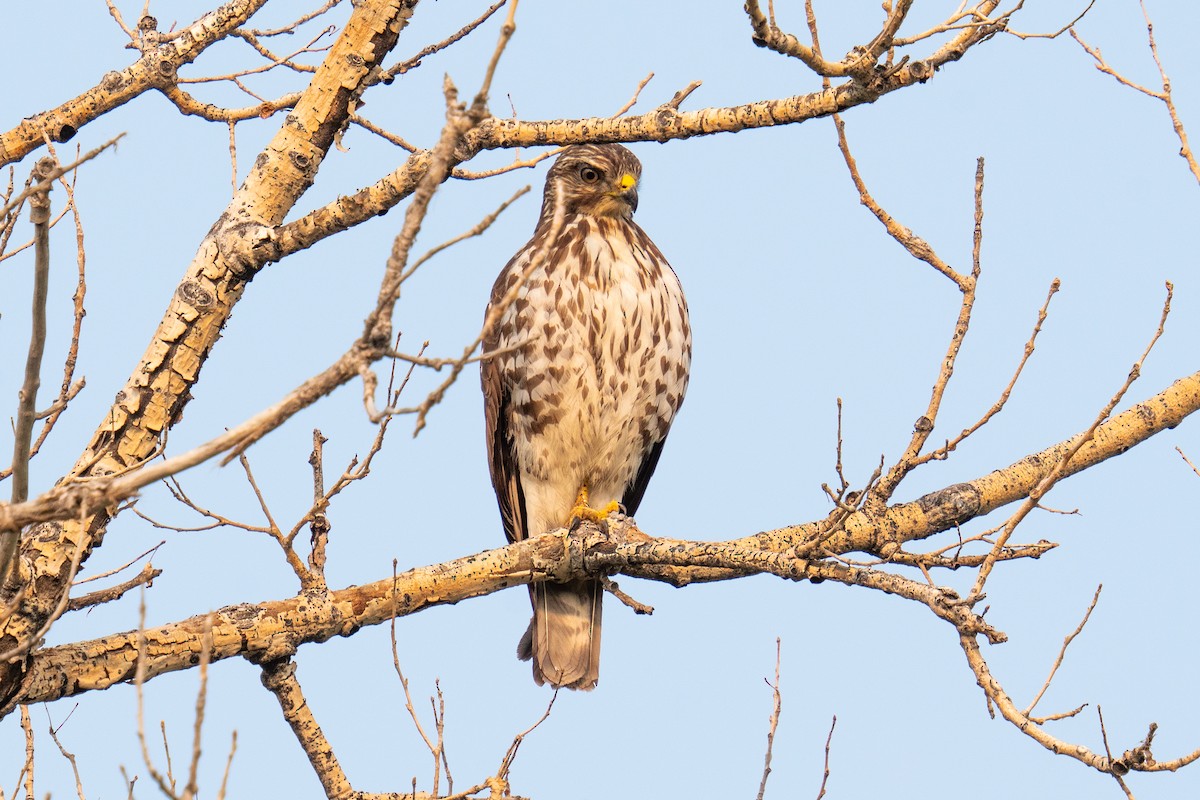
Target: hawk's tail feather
563, 638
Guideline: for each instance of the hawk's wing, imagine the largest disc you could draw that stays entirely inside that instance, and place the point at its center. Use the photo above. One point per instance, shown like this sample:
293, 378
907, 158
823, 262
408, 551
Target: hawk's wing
502, 460
637, 487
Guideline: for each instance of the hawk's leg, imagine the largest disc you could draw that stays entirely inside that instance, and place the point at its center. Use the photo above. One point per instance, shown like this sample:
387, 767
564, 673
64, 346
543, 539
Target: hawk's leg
582, 511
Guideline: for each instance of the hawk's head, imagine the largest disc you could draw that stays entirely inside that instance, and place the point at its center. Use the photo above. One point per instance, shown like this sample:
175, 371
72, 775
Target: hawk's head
596, 179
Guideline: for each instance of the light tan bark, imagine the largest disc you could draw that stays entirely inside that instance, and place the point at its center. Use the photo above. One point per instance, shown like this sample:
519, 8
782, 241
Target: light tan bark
226, 260
274, 629
156, 69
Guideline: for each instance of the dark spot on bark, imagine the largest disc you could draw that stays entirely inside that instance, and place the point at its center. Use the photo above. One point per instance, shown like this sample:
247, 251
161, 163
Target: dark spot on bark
195, 295
951, 506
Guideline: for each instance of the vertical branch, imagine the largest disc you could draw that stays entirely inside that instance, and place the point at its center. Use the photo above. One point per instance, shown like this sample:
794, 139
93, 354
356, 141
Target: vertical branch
165, 785
191, 790
39, 215
762, 786
319, 524
506, 31
228, 764
436, 750
27, 727
828, 743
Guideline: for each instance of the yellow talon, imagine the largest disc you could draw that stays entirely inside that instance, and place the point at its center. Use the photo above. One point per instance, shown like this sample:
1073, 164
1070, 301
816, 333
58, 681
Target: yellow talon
583, 511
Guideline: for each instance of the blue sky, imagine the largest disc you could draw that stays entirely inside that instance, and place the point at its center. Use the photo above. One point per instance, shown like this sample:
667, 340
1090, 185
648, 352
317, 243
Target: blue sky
797, 298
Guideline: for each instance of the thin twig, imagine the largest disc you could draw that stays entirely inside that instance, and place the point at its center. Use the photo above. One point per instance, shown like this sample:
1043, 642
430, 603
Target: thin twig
495, 312
145, 577
46, 182
612, 588
70, 757
109, 573
228, 765
1187, 460
825, 774
916, 246
506, 31
165, 785
1063, 651
1048, 482
27, 728
951, 444
511, 755
395, 139
206, 639
408, 703
636, 94
413, 62
777, 702
1185, 149
318, 522
39, 215
477, 230
70, 387
291, 26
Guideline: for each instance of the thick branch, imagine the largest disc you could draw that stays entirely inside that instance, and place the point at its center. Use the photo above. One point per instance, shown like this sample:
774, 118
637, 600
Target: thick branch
660, 125
275, 628
279, 676
228, 258
944, 509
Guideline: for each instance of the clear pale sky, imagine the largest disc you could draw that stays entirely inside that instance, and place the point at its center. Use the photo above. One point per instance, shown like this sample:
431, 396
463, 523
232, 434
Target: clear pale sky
797, 298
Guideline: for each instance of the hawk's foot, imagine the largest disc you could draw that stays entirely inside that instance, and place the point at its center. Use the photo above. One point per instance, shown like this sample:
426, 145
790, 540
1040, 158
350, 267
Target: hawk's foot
582, 511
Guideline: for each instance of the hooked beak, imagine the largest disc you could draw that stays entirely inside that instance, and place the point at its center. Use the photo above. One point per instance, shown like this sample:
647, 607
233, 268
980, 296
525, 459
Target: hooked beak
628, 190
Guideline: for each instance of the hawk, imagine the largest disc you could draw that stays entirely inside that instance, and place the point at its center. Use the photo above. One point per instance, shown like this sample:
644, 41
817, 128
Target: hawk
592, 364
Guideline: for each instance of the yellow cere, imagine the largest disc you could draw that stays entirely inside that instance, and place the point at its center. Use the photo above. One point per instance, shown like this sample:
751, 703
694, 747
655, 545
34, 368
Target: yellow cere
627, 182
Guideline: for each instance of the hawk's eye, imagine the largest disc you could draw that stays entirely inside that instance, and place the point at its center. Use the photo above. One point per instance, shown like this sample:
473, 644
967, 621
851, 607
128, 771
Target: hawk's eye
589, 174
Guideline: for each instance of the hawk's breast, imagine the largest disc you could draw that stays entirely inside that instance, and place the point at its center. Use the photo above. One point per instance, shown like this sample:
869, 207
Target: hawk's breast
604, 364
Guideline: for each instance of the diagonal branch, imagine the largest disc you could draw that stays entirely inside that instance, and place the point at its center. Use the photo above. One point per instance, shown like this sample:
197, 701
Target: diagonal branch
274, 628
860, 61
228, 257
658, 125
156, 69
1185, 148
